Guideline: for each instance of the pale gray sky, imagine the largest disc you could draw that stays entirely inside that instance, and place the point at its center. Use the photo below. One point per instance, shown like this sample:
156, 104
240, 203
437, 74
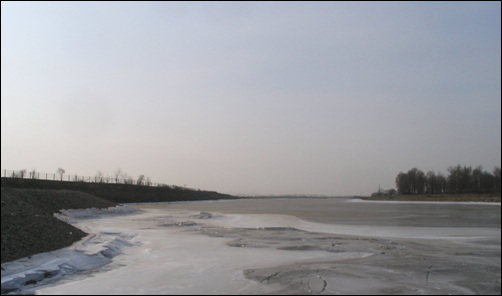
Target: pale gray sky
329, 98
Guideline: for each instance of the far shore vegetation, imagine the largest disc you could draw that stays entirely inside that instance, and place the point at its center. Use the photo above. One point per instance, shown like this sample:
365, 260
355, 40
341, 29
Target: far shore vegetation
463, 183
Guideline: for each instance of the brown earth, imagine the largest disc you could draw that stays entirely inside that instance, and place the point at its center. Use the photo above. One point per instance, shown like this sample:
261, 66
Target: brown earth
29, 226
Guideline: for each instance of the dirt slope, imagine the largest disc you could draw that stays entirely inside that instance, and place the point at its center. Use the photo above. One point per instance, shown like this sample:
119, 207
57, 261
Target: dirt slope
28, 225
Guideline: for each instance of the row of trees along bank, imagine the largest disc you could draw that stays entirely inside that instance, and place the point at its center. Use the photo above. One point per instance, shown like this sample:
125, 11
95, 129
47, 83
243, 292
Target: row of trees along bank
460, 179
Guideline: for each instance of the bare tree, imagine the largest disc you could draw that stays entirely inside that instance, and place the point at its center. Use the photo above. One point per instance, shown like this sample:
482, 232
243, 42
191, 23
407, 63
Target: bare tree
402, 183
128, 180
441, 183
430, 182
454, 178
487, 182
124, 176
99, 177
19, 174
117, 173
461, 179
466, 179
476, 178
22, 173
60, 171
141, 178
496, 175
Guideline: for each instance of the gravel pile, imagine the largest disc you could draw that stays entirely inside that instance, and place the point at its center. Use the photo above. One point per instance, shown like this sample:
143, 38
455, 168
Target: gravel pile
29, 226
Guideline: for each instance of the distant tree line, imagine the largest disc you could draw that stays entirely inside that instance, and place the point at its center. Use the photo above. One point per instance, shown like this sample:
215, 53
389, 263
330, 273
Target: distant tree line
119, 177
460, 179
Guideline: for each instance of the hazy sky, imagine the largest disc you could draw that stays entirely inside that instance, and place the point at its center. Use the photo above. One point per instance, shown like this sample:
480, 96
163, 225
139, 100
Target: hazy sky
326, 98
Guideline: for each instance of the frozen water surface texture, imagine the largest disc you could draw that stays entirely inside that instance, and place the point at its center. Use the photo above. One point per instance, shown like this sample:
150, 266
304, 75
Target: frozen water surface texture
274, 246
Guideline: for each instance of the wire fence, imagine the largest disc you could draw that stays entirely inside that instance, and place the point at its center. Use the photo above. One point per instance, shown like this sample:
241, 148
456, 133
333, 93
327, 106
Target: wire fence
24, 174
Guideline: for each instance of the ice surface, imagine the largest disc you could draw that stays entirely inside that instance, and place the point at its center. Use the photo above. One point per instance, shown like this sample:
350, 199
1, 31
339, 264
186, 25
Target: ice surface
174, 258
228, 248
67, 215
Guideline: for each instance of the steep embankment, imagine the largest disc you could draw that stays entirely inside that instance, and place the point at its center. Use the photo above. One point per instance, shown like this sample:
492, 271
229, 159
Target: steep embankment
120, 193
28, 205
29, 226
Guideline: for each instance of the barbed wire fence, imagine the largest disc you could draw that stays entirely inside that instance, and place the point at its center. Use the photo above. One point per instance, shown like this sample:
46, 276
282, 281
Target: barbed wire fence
24, 174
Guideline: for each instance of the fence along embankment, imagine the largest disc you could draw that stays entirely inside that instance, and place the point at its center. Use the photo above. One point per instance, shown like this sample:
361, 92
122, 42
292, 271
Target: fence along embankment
119, 192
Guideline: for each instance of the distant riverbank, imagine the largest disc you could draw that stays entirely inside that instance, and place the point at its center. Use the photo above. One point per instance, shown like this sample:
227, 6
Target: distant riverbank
474, 197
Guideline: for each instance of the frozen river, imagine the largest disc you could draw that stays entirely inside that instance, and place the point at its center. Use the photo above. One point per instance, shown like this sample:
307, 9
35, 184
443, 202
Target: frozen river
275, 246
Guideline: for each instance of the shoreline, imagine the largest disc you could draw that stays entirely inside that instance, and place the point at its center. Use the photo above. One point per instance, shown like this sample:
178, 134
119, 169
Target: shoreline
28, 223
230, 252
474, 197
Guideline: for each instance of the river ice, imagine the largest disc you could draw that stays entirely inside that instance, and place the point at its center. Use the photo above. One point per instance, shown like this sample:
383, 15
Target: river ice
272, 246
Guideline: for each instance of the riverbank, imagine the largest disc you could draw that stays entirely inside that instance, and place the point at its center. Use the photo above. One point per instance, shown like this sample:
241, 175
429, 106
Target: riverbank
28, 206
28, 223
467, 197
119, 193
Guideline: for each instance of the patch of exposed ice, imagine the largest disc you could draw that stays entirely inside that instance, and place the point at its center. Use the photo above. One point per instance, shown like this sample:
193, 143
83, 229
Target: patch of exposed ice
94, 251
95, 212
175, 258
